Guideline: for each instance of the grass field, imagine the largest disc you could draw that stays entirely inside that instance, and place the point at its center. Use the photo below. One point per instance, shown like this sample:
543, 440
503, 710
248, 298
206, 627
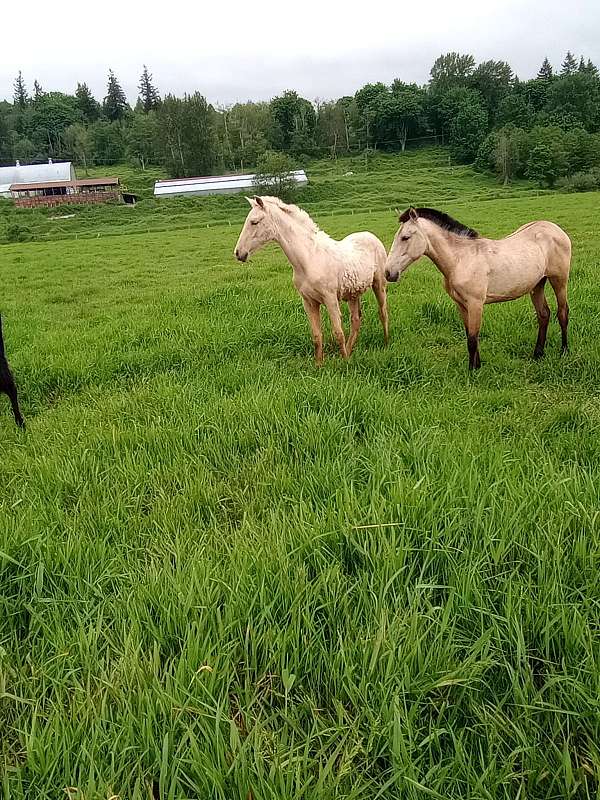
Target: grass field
227, 574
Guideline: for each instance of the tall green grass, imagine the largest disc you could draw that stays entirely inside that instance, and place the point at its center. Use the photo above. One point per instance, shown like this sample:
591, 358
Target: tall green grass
225, 573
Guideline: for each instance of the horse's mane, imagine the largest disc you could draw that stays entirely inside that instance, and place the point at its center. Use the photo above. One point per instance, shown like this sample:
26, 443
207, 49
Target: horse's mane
444, 221
299, 214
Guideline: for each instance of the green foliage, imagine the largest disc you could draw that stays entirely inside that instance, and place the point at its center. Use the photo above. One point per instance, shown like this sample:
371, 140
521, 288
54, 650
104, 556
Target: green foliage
467, 130
20, 96
294, 122
547, 161
273, 176
87, 104
79, 144
451, 70
149, 95
493, 80
187, 135
108, 142
569, 65
546, 71
49, 118
115, 103
143, 135
588, 181
18, 232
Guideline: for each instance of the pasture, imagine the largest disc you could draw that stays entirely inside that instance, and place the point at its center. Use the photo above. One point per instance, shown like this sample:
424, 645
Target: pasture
225, 573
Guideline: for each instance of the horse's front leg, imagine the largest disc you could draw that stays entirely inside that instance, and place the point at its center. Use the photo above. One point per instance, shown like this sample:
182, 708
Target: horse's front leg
474, 313
313, 312
335, 315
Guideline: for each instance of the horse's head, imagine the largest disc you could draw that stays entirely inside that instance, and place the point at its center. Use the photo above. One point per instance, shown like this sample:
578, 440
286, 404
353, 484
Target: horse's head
257, 231
410, 243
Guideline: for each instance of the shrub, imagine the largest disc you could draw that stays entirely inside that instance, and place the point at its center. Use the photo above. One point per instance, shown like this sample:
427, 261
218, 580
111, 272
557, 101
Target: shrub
581, 182
16, 232
273, 176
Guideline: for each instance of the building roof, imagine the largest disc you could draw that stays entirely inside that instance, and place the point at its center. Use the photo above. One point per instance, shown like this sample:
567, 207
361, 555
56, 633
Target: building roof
27, 187
37, 173
97, 182
215, 184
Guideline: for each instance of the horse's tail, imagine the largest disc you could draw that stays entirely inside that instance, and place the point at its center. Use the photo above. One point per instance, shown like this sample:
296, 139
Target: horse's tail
1, 340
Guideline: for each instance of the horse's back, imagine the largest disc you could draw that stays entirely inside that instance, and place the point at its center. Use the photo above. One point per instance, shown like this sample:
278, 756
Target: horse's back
552, 240
367, 242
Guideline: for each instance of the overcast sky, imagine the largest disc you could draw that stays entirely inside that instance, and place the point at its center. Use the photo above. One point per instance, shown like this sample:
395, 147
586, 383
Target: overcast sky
254, 49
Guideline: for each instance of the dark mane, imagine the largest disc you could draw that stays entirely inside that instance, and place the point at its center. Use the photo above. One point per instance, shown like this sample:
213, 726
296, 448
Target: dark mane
444, 221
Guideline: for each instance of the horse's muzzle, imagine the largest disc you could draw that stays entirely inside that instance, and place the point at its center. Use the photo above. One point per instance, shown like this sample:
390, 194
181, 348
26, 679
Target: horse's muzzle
241, 256
390, 276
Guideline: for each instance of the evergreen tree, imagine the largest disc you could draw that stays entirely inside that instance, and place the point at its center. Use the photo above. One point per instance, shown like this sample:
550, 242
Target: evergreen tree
115, 102
546, 72
20, 95
569, 65
591, 68
581, 67
37, 90
148, 92
86, 102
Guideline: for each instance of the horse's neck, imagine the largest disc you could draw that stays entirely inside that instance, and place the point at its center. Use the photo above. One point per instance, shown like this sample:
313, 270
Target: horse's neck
296, 242
440, 250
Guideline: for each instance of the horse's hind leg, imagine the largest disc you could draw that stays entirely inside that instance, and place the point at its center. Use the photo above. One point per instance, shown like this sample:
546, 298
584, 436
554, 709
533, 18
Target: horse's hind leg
560, 290
542, 309
355, 314
380, 290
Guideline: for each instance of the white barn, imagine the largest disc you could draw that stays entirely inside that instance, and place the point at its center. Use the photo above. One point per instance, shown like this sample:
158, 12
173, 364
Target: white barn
220, 184
34, 173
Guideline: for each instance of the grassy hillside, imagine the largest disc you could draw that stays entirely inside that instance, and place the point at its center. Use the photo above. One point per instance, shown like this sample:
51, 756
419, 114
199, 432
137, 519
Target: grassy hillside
225, 573
420, 177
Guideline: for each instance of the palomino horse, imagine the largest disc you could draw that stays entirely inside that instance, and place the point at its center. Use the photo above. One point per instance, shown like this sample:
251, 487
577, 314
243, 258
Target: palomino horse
478, 271
325, 270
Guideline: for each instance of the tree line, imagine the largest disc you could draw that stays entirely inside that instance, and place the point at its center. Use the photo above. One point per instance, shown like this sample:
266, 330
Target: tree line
544, 128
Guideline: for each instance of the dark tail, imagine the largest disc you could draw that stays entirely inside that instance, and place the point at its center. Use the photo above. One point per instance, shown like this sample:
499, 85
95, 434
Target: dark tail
1, 339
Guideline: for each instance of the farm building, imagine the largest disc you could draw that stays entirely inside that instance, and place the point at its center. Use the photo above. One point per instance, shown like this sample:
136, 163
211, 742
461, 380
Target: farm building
55, 193
50, 184
34, 173
220, 184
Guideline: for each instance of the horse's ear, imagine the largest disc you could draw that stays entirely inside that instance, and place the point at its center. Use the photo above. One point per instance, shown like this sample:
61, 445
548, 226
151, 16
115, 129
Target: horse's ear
259, 200
251, 201
413, 214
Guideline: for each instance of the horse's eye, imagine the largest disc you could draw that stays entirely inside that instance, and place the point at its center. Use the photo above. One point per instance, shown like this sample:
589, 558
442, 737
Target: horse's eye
253, 222
405, 238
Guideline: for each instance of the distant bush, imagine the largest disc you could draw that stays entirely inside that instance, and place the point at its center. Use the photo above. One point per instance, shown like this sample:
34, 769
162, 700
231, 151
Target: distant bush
273, 176
581, 182
16, 232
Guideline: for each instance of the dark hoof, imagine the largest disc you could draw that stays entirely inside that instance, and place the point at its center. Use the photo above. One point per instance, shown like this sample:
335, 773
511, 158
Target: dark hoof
537, 354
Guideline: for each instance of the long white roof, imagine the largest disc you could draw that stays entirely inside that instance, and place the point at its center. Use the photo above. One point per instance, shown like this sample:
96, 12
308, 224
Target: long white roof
220, 184
37, 173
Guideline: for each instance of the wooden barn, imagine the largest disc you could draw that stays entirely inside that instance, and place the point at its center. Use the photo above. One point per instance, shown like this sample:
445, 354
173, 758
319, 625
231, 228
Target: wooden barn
35, 185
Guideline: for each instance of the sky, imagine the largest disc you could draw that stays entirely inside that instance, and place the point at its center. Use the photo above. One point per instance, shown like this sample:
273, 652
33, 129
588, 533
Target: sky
254, 49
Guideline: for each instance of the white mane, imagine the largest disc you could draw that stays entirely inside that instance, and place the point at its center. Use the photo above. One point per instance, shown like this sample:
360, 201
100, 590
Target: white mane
298, 214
